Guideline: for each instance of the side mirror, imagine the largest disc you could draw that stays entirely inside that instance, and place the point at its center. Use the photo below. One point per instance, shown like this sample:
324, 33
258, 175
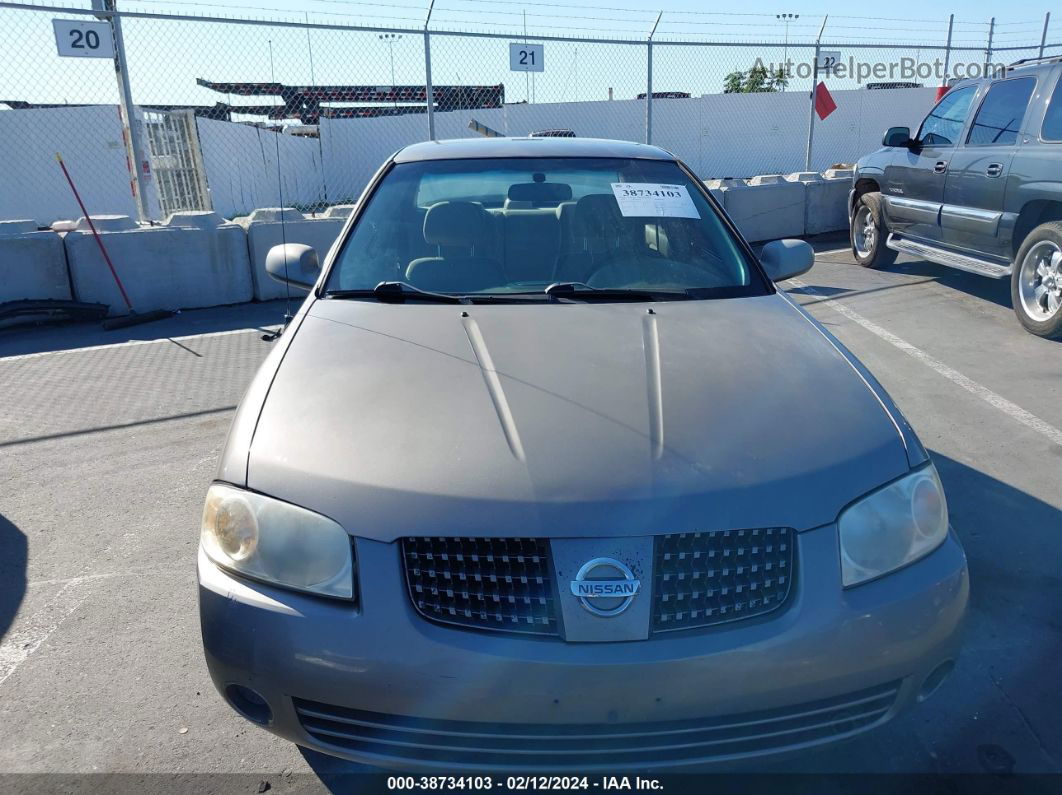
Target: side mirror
293, 263
784, 259
897, 136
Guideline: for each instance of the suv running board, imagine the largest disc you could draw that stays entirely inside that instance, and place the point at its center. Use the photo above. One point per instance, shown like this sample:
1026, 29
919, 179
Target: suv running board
952, 259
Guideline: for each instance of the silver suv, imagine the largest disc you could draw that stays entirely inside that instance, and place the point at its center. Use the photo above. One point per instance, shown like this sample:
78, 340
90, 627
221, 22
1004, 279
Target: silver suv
978, 187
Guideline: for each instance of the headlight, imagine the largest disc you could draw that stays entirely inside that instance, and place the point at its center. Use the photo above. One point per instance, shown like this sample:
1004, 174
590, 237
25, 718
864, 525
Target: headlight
277, 542
893, 526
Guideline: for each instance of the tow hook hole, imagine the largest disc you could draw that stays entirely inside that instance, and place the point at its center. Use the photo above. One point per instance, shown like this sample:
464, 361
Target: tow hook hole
935, 679
249, 703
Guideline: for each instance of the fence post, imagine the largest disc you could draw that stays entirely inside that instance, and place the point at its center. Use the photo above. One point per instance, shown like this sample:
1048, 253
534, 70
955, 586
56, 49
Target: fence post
649, 82
134, 150
814, 91
1043, 36
429, 94
947, 49
988, 50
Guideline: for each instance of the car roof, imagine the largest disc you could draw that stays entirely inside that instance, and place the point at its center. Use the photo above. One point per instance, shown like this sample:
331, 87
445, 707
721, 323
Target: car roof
467, 148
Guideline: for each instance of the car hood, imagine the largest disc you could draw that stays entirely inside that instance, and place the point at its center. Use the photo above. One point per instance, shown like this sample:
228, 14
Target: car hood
569, 419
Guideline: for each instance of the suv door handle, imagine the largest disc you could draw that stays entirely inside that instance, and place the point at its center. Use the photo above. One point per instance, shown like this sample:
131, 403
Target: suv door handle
940, 167
994, 169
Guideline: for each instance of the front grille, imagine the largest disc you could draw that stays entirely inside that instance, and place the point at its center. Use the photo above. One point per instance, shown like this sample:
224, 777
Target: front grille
485, 745
486, 583
700, 579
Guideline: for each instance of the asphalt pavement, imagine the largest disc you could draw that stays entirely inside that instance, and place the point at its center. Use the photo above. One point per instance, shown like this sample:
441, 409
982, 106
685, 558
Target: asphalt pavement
107, 445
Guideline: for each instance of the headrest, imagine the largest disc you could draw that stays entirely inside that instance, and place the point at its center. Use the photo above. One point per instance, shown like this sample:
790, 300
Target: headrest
540, 192
597, 214
455, 224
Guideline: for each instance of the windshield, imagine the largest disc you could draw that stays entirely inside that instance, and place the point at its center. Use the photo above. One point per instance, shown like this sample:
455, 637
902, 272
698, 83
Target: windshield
516, 226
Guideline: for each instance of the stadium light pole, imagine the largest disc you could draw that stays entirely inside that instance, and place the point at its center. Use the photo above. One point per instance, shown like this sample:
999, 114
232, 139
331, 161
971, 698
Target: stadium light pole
785, 18
390, 39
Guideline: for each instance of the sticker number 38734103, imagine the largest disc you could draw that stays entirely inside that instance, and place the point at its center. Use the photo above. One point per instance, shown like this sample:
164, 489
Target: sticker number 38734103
652, 200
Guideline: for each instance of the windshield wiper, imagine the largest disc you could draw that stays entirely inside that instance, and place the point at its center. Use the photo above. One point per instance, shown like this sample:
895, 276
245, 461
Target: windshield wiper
397, 293
584, 292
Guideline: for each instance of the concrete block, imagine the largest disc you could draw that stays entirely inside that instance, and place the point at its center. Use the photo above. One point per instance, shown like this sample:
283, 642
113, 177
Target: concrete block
272, 226
804, 176
32, 263
839, 173
106, 223
195, 219
17, 226
826, 207
339, 211
767, 208
766, 179
198, 261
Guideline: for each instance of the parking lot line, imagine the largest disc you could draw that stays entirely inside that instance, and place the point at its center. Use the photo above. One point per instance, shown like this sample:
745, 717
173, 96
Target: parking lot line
25, 640
1013, 410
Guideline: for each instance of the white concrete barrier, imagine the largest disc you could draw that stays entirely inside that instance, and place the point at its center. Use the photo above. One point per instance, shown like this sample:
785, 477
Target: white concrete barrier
197, 261
826, 204
339, 211
766, 208
32, 263
272, 226
715, 187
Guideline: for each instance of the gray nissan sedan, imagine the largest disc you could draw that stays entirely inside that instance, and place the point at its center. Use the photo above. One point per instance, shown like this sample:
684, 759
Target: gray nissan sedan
546, 474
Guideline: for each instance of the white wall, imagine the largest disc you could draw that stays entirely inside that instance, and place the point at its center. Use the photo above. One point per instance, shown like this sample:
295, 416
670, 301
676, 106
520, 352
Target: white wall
719, 135
90, 141
241, 167
742, 135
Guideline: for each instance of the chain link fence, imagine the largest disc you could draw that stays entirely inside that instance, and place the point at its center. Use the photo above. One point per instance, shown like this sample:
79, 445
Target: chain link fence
231, 114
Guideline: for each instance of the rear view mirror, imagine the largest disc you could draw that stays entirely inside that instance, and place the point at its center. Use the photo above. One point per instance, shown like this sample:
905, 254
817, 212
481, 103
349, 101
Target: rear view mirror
897, 136
784, 259
293, 263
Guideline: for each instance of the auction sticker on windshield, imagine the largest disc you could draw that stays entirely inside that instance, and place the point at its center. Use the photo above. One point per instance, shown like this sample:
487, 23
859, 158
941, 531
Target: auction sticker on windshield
641, 199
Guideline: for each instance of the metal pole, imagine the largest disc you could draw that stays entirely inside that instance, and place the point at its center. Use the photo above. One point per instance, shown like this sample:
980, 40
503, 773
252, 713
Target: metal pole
814, 87
429, 94
649, 82
947, 48
527, 73
1043, 37
988, 51
129, 126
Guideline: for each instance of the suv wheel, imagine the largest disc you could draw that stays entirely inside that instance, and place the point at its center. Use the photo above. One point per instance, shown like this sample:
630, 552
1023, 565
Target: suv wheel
868, 233
1036, 282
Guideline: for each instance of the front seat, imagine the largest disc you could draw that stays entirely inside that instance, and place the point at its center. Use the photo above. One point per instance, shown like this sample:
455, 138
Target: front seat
460, 231
608, 249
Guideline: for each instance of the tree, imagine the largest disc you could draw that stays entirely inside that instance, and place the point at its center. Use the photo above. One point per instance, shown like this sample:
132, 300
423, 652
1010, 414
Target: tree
757, 80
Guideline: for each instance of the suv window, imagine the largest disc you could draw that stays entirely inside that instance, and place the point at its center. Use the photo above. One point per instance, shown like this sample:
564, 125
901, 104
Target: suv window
1052, 129
943, 125
999, 117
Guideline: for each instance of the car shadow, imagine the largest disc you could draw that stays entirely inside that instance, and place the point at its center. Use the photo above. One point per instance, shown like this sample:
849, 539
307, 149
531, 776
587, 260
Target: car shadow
996, 291
1003, 693
339, 775
14, 555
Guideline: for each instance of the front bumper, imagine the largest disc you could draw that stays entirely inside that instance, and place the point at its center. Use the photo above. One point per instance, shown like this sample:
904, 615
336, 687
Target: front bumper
381, 685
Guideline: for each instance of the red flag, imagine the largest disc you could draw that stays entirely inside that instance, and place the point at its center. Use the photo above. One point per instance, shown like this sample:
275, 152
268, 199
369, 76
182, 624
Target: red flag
824, 104
941, 91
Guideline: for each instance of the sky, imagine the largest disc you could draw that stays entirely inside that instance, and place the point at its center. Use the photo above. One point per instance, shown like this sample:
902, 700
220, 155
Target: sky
166, 56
